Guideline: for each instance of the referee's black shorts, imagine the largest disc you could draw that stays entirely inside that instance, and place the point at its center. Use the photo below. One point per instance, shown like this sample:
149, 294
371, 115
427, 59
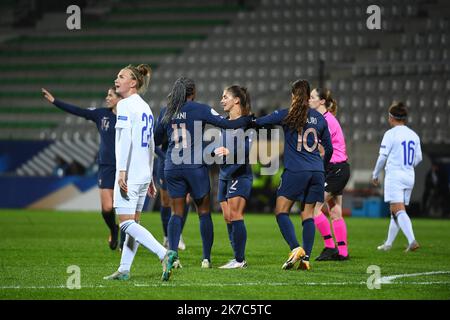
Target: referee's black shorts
336, 177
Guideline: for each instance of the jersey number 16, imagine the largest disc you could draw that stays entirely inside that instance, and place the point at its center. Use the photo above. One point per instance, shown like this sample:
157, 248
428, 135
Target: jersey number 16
408, 153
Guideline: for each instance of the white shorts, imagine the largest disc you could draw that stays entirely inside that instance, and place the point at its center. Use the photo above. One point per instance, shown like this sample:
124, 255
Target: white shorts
398, 189
131, 202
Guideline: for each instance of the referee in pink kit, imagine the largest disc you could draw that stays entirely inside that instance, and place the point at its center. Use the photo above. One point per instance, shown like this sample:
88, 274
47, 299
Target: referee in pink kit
337, 176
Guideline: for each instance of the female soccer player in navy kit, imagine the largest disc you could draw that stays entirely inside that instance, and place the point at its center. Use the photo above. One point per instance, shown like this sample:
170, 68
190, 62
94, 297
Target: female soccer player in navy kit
105, 119
235, 176
337, 176
185, 170
165, 209
303, 177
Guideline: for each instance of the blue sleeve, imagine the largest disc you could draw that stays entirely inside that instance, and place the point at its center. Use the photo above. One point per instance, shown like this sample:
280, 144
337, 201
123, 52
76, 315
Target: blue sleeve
216, 144
212, 117
274, 118
248, 145
160, 153
85, 113
160, 129
325, 140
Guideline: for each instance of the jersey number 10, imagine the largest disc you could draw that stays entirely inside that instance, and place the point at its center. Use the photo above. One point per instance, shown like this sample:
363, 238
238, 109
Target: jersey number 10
408, 152
302, 140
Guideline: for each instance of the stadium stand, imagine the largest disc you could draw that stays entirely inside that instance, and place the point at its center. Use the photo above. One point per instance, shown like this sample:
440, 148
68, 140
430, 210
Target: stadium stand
262, 45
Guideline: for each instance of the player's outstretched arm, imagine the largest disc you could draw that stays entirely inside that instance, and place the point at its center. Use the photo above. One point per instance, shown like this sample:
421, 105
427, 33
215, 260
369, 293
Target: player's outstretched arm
275, 118
209, 115
85, 113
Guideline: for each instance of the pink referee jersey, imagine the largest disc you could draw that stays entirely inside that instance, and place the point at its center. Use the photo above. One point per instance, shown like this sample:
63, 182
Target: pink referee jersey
337, 139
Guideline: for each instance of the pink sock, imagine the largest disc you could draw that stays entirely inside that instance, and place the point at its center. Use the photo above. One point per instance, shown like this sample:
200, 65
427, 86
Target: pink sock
340, 232
323, 225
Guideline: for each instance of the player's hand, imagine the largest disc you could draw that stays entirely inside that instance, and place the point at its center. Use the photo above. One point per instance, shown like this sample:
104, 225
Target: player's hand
375, 182
221, 151
152, 191
48, 95
122, 182
321, 150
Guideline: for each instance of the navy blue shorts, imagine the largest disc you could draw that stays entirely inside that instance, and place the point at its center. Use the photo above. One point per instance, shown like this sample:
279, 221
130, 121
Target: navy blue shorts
240, 187
304, 186
195, 181
160, 177
106, 176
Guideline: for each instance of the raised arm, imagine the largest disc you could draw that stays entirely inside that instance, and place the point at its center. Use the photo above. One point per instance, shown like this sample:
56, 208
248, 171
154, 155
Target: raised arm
275, 118
209, 115
85, 113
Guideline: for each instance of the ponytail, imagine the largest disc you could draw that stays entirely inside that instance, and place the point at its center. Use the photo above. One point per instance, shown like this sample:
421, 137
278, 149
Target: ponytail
330, 103
142, 74
298, 112
182, 88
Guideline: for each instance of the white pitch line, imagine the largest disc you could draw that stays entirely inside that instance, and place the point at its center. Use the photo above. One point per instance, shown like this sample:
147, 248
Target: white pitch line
249, 283
389, 279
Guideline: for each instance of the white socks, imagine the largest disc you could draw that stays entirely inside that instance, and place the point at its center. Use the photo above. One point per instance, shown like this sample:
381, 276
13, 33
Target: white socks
405, 224
392, 233
144, 237
127, 255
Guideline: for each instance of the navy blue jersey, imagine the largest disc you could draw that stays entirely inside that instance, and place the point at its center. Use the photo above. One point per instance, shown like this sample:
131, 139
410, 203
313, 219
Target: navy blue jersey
161, 150
236, 164
105, 120
301, 151
185, 134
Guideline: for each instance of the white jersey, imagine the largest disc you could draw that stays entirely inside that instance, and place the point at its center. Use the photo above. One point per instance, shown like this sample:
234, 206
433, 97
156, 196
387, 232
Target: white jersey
135, 114
401, 146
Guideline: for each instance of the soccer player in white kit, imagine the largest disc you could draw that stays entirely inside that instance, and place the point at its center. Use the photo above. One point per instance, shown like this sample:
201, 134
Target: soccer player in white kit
400, 151
134, 168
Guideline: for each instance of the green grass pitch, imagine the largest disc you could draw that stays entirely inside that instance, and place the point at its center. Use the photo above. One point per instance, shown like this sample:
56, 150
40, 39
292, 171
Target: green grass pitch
37, 247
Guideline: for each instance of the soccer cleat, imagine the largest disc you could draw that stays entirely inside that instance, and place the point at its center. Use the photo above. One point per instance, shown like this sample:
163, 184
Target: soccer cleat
295, 255
166, 243
225, 266
206, 264
384, 247
236, 265
181, 244
413, 246
304, 265
327, 254
339, 257
118, 276
168, 264
177, 264
113, 239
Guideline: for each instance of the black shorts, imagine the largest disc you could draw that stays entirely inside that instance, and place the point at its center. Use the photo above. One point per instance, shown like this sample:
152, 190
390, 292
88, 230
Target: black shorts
336, 177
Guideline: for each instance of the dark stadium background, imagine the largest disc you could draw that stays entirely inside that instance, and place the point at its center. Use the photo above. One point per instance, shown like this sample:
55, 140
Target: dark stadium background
262, 45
